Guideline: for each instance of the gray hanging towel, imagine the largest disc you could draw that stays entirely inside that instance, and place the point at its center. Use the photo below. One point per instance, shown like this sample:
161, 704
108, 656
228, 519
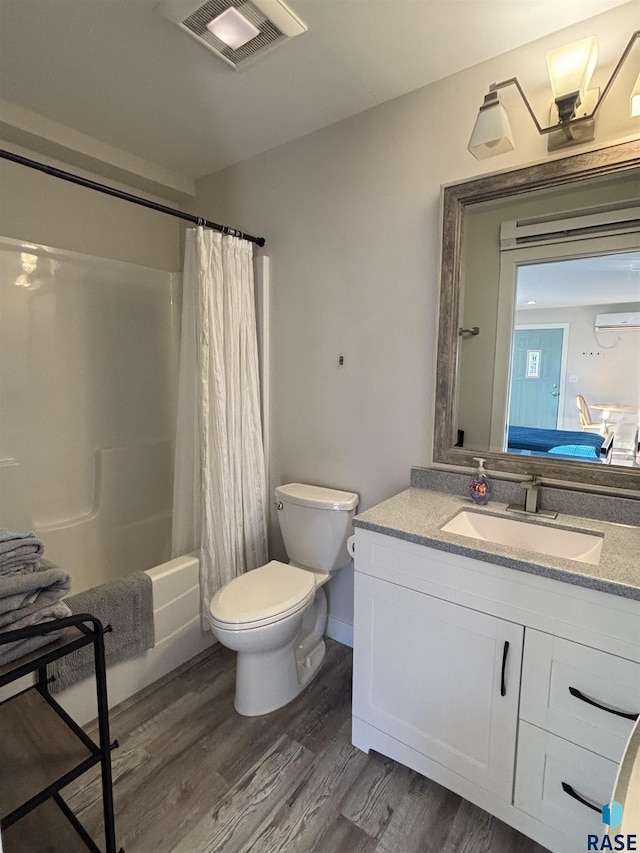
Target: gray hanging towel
127, 605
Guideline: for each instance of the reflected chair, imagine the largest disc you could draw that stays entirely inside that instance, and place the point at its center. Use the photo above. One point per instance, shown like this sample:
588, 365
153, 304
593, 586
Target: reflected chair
586, 421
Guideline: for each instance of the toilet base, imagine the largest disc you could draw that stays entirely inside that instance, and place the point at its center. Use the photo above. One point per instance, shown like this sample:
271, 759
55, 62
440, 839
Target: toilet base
266, 681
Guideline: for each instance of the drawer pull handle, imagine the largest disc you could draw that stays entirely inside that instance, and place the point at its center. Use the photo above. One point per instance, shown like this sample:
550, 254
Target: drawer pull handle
505, 652
569, 790
586, 699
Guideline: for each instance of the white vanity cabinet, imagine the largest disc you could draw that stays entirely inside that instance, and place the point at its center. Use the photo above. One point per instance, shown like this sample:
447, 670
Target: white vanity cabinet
577, 709
515, 691
431, 673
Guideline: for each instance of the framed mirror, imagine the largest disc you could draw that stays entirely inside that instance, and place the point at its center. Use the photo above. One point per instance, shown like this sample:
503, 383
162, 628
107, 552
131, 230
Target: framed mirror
539, 314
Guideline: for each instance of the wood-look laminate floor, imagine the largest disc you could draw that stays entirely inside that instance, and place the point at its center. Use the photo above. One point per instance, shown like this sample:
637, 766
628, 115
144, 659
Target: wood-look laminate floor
192, 776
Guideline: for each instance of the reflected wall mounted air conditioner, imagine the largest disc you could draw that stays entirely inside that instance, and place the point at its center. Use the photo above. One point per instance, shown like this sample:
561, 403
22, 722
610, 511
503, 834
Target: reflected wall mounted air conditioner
607, 219
624, 320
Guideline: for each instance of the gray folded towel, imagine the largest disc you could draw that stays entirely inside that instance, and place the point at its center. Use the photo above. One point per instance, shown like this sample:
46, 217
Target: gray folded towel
14, 650
19, 566
16, 549
7, 535
22, 594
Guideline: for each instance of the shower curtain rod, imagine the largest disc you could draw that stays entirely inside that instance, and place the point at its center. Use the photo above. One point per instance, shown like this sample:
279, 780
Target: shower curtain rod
103, 188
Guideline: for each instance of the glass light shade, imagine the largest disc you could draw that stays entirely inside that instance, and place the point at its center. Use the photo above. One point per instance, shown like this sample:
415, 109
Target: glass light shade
635, 98
571, 67
491, 133
232, 28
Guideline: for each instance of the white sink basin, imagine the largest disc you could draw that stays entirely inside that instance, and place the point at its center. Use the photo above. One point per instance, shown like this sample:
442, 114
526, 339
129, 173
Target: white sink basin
570, 544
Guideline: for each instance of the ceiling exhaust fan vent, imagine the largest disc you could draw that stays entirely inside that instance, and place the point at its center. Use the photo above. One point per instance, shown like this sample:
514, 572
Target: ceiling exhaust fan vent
275, 22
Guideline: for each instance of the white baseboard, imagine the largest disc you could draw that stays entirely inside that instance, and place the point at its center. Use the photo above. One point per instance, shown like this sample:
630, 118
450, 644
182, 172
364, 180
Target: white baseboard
340, 631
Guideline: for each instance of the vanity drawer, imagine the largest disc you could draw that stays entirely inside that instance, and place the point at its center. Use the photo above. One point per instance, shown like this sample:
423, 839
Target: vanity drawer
559, 676
545, 763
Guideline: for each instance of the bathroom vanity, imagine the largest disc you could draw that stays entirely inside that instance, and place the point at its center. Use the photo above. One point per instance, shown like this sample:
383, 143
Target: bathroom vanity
508, 676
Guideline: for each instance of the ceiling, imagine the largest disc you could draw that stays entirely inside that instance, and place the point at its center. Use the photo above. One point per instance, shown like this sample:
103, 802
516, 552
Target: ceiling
612, 279
118, 72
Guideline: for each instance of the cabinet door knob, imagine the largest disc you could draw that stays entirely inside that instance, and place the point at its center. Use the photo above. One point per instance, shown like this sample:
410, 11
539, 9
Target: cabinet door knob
505, 652
569, 790
578, 695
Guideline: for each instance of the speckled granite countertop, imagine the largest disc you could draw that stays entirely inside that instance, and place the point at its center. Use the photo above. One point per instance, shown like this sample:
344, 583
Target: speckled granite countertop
418, 514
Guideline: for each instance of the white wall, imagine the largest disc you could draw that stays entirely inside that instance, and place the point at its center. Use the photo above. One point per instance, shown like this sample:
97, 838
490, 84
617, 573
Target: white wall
39, 208
351, 218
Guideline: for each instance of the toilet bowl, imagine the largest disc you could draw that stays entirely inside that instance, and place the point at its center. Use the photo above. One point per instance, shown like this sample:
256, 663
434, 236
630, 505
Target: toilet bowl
274, 616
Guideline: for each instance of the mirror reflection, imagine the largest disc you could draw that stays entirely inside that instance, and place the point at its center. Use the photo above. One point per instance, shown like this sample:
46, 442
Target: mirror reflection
539, 320
574, 381
566, 373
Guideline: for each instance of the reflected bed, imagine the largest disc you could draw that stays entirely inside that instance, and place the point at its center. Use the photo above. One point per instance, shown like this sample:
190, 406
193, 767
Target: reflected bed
558, 442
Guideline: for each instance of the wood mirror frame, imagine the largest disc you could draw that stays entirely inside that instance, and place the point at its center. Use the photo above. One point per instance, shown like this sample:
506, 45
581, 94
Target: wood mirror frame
455, 199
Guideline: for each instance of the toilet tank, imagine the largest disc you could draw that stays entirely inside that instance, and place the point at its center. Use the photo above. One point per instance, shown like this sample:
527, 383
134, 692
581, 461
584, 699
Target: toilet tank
315, 524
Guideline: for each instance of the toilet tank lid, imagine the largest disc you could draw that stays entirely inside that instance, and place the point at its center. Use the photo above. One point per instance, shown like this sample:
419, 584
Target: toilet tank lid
316, 496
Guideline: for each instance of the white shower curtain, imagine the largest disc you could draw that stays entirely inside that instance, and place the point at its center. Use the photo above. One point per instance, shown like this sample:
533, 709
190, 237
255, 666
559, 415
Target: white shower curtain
219, 496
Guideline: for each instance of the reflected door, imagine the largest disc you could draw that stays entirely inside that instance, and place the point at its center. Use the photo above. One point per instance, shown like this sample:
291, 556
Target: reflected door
536, 363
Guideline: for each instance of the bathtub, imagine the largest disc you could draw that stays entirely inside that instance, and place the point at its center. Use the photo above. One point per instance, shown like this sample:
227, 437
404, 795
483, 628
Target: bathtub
178, 638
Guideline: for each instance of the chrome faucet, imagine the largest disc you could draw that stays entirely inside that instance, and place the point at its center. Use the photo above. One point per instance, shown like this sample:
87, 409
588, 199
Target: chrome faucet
532, 486
531, 498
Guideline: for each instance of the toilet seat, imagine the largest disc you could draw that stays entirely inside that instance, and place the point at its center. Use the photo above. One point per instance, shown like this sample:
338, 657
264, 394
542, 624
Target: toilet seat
262, 596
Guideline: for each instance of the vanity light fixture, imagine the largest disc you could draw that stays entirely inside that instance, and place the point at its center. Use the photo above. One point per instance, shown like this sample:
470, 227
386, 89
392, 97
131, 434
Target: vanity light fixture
570, 70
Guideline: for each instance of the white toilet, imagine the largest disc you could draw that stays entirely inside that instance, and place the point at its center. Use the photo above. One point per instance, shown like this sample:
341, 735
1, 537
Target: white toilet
275, 616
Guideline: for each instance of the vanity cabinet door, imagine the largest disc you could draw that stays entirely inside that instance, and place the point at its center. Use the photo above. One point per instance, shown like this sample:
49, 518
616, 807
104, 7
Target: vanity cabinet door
439, 677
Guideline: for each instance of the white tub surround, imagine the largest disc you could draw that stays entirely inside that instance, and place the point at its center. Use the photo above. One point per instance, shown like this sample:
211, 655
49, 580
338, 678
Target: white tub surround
86, 408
